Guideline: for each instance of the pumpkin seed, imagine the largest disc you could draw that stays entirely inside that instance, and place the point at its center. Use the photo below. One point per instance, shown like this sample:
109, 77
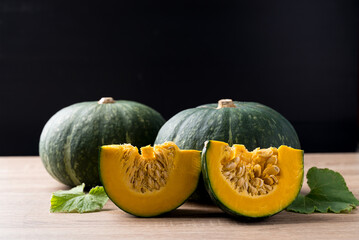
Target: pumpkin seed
266, 153
162, 182
268, 181
275, 179
253, 190
157, 186
271, 170
234, 180
241, 171
257, 182
230, 166
272, 160
240, 182
268, 187
257, 170
261, 191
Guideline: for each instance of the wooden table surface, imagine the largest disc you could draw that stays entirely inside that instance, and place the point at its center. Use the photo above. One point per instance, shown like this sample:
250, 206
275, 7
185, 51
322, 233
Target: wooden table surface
26, 189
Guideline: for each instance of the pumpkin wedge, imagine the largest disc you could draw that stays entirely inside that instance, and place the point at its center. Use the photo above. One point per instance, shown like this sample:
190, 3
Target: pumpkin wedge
253, 184
157, 181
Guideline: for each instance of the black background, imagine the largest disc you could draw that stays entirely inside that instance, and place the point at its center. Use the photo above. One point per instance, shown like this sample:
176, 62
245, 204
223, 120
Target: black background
298, 57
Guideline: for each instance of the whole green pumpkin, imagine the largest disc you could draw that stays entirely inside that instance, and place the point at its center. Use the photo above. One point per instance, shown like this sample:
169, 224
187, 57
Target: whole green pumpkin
70, 141
248, 123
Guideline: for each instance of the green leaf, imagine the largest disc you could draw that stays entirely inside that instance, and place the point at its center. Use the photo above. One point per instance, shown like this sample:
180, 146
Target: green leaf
328, 193
75, 200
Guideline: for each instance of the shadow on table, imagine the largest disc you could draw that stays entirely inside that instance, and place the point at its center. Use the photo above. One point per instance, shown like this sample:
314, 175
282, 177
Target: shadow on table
284, 217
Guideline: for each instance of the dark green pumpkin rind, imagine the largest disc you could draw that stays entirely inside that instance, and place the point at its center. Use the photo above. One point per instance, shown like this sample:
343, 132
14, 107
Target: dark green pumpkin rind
216, 199
137, 215
251, 124
70, 140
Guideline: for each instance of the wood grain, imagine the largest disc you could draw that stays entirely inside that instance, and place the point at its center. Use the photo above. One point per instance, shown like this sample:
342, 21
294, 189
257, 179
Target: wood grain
26, 189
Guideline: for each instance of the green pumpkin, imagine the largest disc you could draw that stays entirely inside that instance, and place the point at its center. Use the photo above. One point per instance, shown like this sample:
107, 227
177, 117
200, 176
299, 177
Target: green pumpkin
248, 123
70, 141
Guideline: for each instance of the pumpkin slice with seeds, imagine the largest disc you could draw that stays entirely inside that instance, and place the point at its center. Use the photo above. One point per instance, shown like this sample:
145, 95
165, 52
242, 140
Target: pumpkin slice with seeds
252, 184
155, 182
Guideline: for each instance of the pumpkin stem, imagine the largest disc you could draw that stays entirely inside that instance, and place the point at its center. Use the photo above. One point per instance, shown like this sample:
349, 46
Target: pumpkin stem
106, 100
226, 103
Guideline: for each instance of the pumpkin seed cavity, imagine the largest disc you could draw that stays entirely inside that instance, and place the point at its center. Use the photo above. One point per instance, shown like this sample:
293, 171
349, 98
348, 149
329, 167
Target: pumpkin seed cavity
149, 171
255, 173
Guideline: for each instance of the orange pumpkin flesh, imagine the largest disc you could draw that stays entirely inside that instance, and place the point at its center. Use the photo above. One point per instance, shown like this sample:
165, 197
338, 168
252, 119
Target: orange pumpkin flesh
156, 182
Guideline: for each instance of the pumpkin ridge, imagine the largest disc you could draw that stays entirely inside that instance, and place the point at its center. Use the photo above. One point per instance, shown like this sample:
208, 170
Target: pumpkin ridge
44, 139
174, 135
121, 111
178, 138
67, 152
77, 127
